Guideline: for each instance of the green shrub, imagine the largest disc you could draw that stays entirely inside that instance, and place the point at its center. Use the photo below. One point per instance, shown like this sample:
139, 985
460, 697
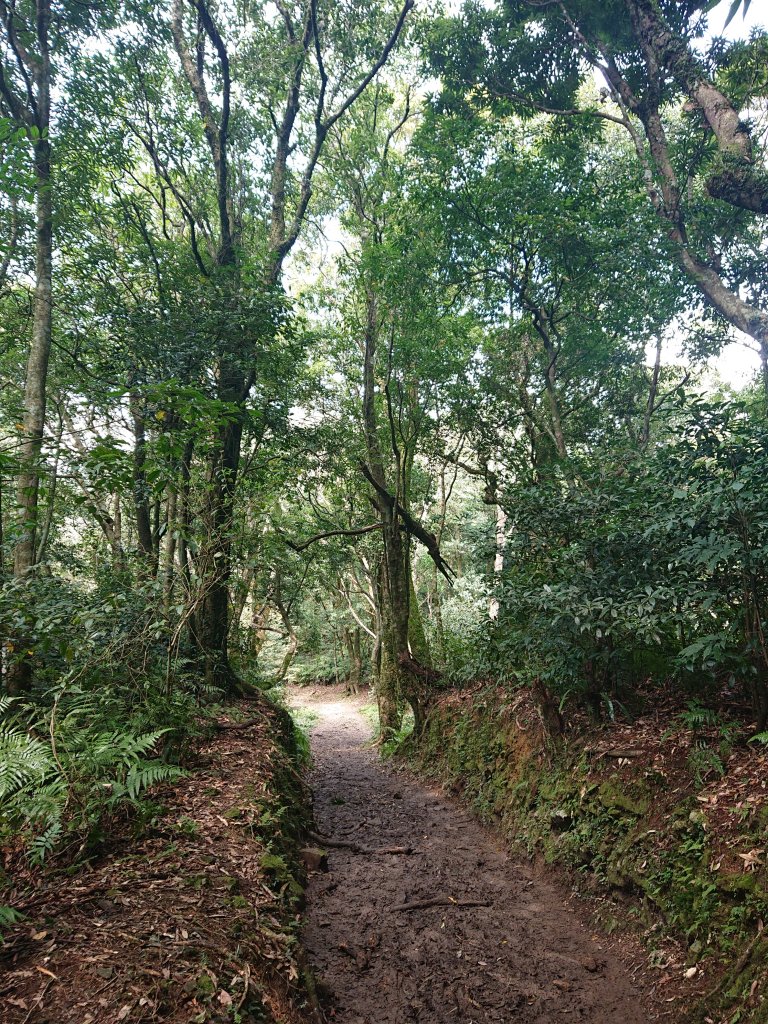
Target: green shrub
64, 771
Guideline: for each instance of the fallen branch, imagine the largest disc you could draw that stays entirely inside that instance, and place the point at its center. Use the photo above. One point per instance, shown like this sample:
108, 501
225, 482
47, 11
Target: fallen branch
345, 844
246, 724
439, 901
620, 754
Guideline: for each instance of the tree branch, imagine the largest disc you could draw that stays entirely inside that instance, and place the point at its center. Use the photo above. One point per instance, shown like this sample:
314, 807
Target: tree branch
413, 528
354, 532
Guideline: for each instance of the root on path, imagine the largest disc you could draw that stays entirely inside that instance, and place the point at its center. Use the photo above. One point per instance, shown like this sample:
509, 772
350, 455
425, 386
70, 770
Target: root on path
345, 844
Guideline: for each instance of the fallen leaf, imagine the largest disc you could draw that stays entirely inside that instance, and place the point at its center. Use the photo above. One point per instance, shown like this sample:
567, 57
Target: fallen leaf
752, 859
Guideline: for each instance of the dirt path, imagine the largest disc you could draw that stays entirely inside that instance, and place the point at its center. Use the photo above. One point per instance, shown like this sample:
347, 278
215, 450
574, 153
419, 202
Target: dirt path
524, 958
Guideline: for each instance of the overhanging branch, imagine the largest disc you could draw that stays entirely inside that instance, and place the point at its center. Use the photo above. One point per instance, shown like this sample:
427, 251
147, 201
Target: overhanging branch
357, 531
414, 528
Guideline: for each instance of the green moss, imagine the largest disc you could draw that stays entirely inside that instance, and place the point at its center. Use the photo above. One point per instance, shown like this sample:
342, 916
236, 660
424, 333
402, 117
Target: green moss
741, 882
614, 797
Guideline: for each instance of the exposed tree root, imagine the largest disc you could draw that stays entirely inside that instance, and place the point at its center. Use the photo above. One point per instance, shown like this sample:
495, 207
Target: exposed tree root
345, 844
222, 726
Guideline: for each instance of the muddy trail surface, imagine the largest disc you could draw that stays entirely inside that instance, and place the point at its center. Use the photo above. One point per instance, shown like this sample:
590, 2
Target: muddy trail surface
520, 954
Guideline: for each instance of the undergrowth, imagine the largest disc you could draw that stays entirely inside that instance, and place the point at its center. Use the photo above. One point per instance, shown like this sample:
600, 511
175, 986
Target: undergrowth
71, 762
303, 721
393, 743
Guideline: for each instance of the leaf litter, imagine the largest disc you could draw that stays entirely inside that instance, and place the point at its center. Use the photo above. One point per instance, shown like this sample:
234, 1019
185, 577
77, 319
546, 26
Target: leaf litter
186, 922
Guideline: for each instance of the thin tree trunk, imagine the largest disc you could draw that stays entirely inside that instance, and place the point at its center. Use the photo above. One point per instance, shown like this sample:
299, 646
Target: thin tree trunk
19, 677
37, 367
392, 593
355, 660
498, 561
293, 644
140, 488
13, 239
45, 533
215, 561
171, 542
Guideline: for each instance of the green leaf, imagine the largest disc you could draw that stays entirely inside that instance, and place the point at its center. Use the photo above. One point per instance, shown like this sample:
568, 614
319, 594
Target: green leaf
735, 10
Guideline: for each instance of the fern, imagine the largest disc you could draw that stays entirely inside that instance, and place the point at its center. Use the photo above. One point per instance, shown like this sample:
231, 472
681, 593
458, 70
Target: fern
697, 717
45, 843
8, 917
150, 773
6, 703
24, 760
49, 792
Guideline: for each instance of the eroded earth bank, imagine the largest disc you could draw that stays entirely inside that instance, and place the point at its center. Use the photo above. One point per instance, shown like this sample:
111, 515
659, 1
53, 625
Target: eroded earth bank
521, 956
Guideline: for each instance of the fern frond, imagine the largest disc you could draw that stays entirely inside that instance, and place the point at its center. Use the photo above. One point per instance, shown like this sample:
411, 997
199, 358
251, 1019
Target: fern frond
8, 916
45, 843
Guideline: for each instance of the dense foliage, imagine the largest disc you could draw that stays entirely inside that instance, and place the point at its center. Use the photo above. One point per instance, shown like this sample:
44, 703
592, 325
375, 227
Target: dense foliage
366, 344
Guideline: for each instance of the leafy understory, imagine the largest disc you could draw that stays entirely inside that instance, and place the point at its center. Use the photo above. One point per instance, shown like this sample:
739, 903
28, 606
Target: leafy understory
188, 913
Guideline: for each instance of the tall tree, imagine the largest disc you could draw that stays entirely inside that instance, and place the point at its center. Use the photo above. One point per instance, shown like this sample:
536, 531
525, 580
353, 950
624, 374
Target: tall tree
703, 167
303, 104
32, 34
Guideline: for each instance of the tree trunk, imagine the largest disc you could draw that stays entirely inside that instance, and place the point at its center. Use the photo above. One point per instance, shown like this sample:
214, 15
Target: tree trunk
19, 677
417, 638
354, 678
498, 560
737, 180
171, 541
283, 612
140, 489
215, 560
436, 614
388, 691
37, 366
45, 533
663, 50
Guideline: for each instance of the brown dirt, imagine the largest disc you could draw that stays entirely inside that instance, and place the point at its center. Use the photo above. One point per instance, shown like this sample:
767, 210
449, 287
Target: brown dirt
526, 957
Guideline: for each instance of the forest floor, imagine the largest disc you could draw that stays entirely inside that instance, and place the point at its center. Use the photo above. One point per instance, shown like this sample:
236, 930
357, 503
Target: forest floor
189, 914
386, 934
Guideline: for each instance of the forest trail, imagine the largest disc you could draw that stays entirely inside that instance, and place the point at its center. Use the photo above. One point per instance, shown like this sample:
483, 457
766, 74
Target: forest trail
524, 957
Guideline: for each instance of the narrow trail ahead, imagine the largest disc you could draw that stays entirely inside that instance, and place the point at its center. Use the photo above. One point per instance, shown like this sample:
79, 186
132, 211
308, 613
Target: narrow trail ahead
524, 958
